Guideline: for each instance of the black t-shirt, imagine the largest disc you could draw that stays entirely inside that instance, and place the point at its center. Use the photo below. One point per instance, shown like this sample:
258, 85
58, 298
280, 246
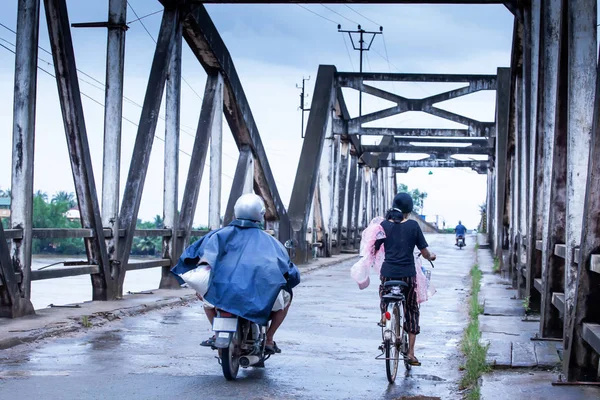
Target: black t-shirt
400, 242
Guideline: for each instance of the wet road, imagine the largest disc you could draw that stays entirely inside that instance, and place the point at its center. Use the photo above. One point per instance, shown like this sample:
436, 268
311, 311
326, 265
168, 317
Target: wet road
329, 343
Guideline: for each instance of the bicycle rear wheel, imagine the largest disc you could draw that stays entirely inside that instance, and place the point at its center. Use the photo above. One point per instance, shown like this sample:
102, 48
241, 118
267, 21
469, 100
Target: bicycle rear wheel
392, 347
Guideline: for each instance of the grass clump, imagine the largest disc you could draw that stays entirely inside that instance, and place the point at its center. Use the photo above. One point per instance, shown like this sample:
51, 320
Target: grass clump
496, 266
475, 353
85, 322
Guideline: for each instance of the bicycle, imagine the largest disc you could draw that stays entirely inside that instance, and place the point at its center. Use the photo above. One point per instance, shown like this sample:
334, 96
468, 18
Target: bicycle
395, 337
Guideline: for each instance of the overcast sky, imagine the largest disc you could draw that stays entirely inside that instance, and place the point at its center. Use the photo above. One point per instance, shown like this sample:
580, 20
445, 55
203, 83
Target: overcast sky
273, 47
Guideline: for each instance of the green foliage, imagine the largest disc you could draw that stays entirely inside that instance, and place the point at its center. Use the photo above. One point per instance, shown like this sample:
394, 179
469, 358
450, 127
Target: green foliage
418, 197
496, 266
471, 346
85, 322
52, 214
526, 305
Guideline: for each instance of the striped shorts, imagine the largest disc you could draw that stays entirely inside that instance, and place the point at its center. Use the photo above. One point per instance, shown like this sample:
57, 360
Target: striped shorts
411, 308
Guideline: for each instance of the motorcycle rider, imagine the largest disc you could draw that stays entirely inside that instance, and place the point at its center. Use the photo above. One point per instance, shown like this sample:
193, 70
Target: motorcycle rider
460, 232
235, 253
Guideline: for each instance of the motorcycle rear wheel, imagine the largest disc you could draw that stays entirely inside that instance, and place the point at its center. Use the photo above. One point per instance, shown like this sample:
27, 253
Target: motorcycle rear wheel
230, 359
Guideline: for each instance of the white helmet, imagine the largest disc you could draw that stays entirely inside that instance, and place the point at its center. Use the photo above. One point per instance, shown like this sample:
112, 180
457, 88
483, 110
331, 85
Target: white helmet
249, 206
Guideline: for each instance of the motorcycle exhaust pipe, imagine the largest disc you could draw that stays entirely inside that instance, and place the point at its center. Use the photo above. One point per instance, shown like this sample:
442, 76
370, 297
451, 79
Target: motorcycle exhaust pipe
246, 361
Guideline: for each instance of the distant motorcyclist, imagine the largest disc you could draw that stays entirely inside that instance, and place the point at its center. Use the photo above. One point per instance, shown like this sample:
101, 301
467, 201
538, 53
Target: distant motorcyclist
460, 231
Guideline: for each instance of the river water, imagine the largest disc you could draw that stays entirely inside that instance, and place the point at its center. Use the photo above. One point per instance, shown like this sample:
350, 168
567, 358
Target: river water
77, 289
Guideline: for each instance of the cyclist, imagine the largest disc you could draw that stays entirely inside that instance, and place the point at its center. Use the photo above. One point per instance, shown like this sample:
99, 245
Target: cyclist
460, 232
402, 235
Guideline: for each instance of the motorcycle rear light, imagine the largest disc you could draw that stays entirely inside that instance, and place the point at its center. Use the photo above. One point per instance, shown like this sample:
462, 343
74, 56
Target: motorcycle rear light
225, 314
388, 316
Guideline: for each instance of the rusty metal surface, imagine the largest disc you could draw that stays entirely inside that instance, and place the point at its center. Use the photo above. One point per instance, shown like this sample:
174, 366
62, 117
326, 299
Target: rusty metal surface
553, 112
23, 134
77, 142
207, 45
138, 168
210, 107
171, 246
237, 187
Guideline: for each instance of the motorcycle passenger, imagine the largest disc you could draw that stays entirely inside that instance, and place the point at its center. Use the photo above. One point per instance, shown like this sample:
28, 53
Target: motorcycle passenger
237, 253
460, 232
402, 235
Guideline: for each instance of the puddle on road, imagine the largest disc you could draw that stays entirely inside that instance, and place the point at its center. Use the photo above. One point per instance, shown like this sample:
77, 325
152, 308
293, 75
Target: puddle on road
428, 378
27, 374
418, 398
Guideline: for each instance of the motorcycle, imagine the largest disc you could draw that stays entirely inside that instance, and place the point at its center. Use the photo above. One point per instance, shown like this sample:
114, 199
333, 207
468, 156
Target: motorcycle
460, 242
240, 342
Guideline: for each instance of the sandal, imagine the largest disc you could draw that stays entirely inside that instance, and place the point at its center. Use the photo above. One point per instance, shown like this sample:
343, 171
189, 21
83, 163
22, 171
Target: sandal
272, 349
413, 361
210, 342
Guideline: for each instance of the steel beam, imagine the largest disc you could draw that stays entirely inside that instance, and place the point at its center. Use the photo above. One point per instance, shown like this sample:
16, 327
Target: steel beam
345, 77
534, 137
317, 128
351, 197
59, 31
400, 132
582, 59
509, 2
585, 306
207, 45
138, 168
426, 149
400, 164
216, 161
23, 134
113, 114
358, 209
342, 190
211, 106
500, 163
553, 82
239, 185
12, 305
171, 248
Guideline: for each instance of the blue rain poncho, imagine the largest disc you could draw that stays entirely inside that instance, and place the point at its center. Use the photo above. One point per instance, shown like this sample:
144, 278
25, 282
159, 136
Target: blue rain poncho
248, 269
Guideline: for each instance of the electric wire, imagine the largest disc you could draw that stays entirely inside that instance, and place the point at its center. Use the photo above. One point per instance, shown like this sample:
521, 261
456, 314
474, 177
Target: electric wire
362, 15
348, 51
318, 15
145, 16
335, 12
154, 40
103, 106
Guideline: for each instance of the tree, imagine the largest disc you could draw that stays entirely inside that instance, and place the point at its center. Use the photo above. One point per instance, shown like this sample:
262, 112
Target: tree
418, 197
65, 197
5, 193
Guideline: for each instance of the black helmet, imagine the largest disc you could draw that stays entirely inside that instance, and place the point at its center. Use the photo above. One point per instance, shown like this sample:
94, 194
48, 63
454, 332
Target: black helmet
403, 202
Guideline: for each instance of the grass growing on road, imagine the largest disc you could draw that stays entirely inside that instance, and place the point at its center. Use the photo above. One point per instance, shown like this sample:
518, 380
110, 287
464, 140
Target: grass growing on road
496, 267
474, 352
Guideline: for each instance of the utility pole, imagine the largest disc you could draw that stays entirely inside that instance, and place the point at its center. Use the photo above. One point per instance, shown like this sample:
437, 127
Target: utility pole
302, 97
361, 48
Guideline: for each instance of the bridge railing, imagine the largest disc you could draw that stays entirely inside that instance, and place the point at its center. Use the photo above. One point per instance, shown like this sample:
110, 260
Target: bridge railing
76, 268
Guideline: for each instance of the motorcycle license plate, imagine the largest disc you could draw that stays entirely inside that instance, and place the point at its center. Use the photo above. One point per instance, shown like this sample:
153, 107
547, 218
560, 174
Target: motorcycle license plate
224, 324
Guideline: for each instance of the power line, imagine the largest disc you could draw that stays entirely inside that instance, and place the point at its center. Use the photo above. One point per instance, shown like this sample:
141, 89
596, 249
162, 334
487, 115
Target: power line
103, 106
318, 15
145, 16
335, 12
348, 51
365, 17
154, 40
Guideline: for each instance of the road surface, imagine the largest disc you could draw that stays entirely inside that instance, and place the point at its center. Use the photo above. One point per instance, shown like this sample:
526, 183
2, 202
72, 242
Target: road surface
329, 344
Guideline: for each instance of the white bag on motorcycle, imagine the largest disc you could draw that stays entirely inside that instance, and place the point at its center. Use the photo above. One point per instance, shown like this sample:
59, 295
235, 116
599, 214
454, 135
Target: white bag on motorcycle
198, 279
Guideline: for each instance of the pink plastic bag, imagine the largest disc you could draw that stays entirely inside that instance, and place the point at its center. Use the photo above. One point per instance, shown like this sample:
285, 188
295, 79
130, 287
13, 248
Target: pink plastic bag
424, 287
361, 270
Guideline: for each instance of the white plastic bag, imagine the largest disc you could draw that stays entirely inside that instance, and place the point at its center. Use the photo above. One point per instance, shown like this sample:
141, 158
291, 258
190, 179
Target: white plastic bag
198, 279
